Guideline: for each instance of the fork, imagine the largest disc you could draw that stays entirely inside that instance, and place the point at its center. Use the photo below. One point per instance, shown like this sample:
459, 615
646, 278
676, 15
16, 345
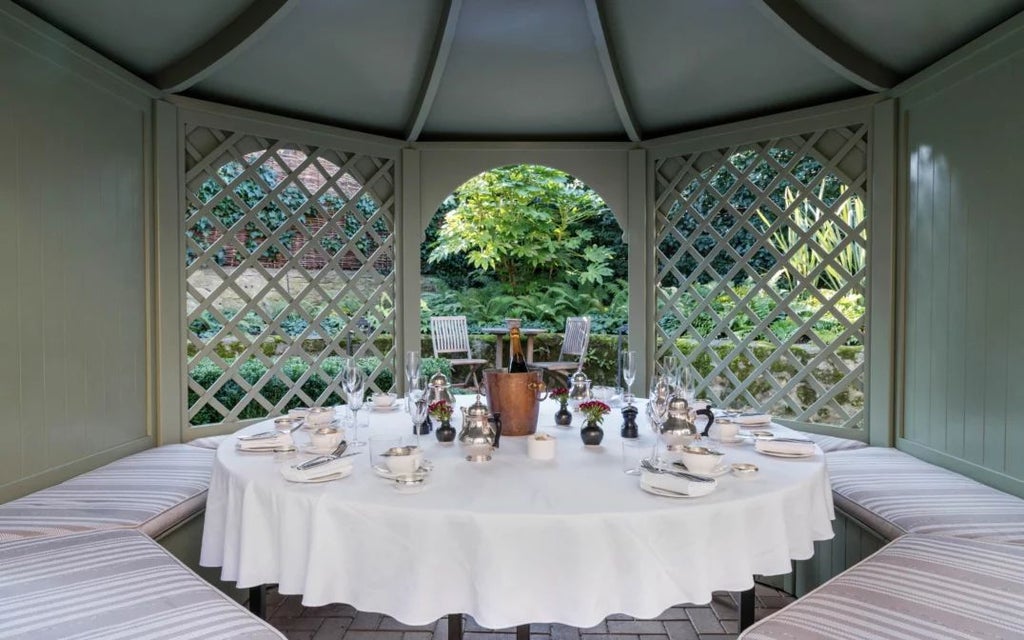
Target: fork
324, 459
646, 464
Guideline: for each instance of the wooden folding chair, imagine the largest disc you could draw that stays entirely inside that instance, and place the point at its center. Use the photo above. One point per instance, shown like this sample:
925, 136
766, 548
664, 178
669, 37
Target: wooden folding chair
450, 334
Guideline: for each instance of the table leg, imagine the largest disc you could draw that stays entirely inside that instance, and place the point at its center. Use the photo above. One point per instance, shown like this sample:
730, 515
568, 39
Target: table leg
258, 601
746, 608
523, 632
454, 626
499, 351
529, 348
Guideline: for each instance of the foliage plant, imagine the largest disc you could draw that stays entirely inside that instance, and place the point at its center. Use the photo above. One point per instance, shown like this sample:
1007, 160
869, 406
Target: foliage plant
524, 225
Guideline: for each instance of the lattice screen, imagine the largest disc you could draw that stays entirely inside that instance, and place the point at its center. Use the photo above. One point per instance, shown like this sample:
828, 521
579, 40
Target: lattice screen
762, 253
289, 269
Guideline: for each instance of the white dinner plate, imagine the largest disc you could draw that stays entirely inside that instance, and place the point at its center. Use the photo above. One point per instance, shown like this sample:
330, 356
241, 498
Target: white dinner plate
668, 494
780, 454
259, 449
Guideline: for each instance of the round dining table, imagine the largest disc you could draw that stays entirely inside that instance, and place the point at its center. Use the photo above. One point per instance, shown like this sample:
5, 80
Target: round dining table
513, 540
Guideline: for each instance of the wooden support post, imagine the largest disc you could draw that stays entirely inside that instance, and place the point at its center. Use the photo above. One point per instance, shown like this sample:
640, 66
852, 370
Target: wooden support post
523, 632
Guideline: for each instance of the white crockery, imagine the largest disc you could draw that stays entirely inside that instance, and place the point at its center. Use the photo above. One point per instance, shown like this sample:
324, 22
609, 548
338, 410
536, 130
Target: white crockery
320, 415
700, 459
383, 400
541, 446
403, 460
326, 438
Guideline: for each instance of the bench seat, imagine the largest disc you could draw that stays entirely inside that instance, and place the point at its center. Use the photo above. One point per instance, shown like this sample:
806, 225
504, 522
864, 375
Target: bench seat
895, 493
111, 585
916, 588
152, 491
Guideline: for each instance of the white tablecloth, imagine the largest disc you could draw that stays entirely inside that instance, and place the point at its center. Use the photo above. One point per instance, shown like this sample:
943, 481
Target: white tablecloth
514, 540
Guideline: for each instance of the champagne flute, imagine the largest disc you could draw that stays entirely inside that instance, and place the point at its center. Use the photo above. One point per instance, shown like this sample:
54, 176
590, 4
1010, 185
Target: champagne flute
670, 368
628, 374
657, 409
412, 366
354, 384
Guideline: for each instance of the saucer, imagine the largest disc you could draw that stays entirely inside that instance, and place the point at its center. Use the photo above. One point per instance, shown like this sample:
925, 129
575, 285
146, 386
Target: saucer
780, 454
720, 469
309, 426
395, 406
733, 440
387, 474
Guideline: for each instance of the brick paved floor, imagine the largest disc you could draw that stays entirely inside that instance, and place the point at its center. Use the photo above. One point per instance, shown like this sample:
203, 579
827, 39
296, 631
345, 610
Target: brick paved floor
716, 621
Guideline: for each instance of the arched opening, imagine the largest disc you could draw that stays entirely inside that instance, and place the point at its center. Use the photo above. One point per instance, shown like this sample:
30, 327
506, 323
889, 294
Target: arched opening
532, 242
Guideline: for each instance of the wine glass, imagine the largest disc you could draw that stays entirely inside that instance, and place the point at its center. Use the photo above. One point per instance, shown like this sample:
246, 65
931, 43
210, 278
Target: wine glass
628, 374
419, 416
354, 384
417, 389
669, 367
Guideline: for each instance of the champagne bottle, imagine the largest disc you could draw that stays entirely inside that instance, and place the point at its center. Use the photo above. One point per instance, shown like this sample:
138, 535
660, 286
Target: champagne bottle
518, 362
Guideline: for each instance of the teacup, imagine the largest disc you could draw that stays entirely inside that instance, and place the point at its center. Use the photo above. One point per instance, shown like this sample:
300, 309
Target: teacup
326, 438
287, 423
403, 460
383, 400
298, 412
726, 431
700, 459
320, 415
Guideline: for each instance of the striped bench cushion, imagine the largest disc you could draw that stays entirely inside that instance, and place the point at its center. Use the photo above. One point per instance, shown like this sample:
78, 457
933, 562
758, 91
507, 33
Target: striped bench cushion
208, 442
917, 588
112, 585
828, 444
154, 491
895, 493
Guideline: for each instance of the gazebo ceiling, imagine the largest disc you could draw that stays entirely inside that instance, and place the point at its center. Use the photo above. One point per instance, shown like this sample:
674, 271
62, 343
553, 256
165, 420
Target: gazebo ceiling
528, 69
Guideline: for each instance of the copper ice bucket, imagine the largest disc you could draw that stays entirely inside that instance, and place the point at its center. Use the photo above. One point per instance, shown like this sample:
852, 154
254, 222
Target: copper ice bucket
517, 397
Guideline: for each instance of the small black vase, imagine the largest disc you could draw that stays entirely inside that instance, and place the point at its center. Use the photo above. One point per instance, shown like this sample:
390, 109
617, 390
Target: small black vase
446, 432
563, 417
592, 434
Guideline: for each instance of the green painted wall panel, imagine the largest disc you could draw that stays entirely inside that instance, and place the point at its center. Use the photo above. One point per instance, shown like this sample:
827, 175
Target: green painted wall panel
73, 266
963, 380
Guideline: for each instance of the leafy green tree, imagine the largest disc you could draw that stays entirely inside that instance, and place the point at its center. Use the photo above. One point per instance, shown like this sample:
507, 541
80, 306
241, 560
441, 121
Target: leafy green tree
524, 224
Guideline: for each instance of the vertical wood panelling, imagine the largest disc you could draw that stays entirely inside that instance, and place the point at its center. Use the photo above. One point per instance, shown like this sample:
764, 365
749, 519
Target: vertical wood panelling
73, 288
964, 381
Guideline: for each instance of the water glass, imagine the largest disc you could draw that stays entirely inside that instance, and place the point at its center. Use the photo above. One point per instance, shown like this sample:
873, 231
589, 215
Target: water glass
632, 453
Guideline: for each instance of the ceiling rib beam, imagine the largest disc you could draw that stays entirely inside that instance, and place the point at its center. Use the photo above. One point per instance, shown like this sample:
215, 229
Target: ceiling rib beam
435, 71
831, 49
242, 32
611, 70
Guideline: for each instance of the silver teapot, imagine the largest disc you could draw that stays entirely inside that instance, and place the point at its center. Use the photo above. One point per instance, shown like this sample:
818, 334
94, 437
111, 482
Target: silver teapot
479, 436
679, 428
438, 389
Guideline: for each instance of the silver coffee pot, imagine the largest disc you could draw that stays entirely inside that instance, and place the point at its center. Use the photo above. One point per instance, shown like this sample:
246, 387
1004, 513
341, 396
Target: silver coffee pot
438, 389
478, 436
579, 389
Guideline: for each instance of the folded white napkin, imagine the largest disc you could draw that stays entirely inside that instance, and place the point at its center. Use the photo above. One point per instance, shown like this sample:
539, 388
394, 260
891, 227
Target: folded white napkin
676, 484
785, 446
266, 444
339, 468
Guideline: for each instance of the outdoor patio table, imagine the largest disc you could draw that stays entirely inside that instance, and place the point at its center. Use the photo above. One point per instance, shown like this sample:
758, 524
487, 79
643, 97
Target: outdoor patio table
514, 540
499, 347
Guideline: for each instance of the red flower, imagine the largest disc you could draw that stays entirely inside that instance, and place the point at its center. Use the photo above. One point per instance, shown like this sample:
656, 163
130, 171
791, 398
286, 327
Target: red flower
594, 410
442, 410
559, 393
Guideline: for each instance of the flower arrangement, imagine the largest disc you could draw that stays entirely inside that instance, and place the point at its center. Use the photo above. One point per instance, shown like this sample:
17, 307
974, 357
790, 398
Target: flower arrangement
561, 394
594, 410
442, 410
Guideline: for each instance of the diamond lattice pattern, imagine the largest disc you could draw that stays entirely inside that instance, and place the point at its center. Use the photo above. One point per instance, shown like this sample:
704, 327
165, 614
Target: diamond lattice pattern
761, 258
289, 258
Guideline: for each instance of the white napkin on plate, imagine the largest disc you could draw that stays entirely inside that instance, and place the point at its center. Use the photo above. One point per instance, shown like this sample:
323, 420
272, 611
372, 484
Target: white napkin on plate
785, 446
747, 418
677, 484
340, 468
266, 444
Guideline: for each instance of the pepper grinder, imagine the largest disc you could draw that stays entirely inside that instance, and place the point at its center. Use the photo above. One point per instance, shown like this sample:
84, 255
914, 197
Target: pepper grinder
629, 426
